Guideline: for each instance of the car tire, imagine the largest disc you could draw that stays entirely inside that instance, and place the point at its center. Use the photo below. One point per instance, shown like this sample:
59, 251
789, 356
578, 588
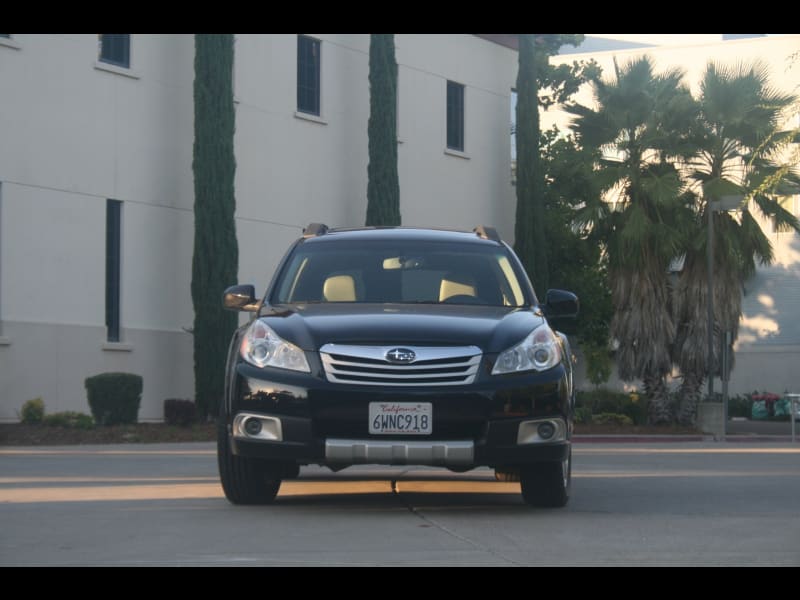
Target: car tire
547, 485
244, 480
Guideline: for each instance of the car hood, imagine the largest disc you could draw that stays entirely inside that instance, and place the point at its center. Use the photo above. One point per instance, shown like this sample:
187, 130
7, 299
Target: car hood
491, 328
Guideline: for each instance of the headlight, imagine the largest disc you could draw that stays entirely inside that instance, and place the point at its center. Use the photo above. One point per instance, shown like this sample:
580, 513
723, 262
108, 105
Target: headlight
537, 352
263, 348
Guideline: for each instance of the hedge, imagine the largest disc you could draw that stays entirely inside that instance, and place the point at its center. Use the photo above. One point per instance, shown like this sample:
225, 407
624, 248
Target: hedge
114, 398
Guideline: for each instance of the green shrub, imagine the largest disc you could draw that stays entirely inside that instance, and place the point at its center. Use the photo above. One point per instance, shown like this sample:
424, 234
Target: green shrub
740, 406
635, 408
69, 419
612, 419
179, 412
602, 400
32, 411
583, 414
598, 363
114, 398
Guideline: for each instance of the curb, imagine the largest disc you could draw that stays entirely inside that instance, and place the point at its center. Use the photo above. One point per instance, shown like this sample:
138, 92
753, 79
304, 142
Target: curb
638, 439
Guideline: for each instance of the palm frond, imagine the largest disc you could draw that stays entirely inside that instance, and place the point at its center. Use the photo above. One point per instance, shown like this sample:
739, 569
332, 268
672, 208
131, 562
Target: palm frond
662, 188
782, 219
717, 187
753, 244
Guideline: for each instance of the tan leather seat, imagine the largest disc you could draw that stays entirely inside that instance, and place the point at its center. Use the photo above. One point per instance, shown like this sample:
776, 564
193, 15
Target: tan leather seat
455, 284
339, 288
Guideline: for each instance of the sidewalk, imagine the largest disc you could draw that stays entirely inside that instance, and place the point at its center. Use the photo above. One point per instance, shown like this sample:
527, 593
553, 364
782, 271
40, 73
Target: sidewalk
739, 430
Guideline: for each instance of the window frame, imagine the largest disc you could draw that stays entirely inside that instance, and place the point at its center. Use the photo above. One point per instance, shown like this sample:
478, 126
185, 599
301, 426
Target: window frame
125, 61
113, 270
302, 87
455, 116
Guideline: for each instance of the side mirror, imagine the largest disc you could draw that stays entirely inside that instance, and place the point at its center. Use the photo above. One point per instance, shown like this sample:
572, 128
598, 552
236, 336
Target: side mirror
560, 304
240, 297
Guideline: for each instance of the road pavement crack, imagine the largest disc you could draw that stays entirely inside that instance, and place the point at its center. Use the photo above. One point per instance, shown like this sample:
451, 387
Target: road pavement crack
447, 531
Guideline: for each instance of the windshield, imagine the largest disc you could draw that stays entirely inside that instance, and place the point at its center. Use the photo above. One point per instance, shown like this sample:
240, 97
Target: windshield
400, 272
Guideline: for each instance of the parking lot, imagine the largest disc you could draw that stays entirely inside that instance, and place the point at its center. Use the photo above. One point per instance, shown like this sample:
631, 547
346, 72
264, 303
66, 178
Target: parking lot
632, 504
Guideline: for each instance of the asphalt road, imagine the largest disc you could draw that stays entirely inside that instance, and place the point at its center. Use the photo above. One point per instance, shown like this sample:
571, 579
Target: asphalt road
632, 504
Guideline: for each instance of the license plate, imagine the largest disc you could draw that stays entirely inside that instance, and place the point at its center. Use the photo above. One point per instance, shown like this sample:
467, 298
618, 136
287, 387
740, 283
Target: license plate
406, 418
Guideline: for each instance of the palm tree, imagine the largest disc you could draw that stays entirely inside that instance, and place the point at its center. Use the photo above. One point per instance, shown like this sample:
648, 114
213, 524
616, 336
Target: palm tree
739, 152
639, 118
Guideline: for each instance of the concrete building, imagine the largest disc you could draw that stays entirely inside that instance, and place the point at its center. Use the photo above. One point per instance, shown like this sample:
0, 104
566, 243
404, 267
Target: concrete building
96, 189
96, 156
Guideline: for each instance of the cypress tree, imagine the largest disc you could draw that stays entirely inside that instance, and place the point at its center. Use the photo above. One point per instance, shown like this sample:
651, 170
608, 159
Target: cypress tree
216, 254
538, 84
383, 187
529, 231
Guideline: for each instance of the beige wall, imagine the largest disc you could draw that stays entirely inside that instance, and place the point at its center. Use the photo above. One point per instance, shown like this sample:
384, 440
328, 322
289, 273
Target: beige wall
292, 171
74, 135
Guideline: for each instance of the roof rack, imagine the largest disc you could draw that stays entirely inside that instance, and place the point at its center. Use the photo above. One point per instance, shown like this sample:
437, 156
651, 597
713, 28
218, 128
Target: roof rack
315, 229
487, 233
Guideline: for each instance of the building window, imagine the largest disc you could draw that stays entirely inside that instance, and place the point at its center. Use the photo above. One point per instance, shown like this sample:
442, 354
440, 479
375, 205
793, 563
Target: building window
308, 69
115, 49
455, 116
113, 235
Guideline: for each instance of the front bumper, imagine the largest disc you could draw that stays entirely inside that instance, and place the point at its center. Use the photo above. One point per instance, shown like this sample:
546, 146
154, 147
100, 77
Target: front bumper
456, 454
493, 422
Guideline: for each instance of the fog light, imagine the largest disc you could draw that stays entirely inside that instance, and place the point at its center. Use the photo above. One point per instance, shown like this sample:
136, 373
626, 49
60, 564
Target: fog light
546, 430
252, 426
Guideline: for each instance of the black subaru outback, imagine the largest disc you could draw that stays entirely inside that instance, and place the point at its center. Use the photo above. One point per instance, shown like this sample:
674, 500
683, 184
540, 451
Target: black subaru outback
398, 346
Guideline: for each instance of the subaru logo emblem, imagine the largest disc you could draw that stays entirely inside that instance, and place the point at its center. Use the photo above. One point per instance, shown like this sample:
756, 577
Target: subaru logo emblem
400, 355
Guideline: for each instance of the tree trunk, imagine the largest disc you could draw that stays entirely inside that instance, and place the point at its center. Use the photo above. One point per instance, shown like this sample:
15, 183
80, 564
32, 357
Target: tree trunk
690, 393
659, 404
641, 324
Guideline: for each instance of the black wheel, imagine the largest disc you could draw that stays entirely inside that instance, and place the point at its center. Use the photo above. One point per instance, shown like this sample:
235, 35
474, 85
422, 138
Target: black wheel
244, 480
547, 485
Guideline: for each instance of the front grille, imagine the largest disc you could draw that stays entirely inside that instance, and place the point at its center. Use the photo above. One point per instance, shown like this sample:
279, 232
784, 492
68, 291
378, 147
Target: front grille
432, 365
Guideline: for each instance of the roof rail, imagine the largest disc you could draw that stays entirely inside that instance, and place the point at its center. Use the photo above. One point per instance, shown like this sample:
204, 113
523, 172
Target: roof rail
487, 233
315, 229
